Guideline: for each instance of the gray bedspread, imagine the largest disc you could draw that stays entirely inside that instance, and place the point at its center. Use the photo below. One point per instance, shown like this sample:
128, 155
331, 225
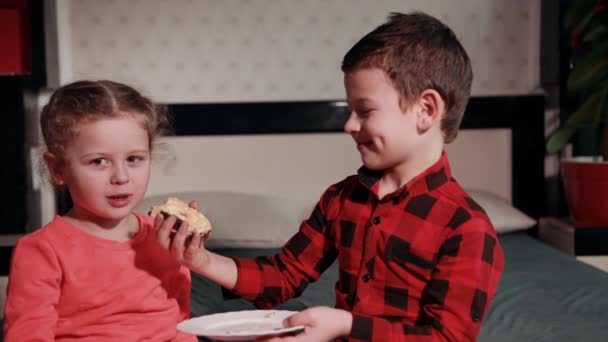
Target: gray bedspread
546, 295
543, 295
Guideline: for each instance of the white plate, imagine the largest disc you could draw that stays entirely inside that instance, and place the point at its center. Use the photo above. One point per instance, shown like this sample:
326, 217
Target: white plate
239, 325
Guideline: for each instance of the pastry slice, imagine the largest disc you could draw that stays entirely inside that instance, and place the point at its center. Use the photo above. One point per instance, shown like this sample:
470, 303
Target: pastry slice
197, 222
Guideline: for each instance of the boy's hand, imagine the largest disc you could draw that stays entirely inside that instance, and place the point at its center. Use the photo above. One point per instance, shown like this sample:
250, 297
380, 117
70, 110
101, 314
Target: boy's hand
321, 324
189, 249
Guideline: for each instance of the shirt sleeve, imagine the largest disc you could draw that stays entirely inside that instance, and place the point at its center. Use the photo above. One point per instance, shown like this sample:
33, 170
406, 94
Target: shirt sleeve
269, 281
454, 302
32, 293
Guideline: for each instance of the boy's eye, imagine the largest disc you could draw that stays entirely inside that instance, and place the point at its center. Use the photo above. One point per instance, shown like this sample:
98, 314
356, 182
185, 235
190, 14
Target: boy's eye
365, 112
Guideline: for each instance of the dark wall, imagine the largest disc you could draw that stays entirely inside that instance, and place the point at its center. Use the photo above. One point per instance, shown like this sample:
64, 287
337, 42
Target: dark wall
13, 202
555, 56
13, 196
12, 171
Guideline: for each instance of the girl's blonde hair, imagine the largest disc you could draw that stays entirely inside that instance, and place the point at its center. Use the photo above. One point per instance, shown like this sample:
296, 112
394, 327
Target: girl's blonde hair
89, 101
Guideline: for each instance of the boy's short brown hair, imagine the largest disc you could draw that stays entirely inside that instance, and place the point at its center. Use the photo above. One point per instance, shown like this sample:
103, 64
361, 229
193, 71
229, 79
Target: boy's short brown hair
418, 52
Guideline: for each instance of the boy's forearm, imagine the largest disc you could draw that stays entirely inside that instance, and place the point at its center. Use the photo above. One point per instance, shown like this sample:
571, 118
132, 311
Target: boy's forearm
219, 269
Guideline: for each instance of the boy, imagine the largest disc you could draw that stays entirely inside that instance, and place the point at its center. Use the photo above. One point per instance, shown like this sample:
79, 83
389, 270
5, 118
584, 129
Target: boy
419, 260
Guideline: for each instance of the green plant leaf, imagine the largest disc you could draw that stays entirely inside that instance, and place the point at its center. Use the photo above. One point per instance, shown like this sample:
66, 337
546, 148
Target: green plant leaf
599, 124
588, 80
588, 74
598, 33
604, 114
576, 11
585, 116
597, 19
599, 109
559, 139
598, 48
583, 23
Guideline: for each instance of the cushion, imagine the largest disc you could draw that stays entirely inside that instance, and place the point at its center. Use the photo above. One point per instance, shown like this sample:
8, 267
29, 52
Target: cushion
247, 220
503, 215
243, 219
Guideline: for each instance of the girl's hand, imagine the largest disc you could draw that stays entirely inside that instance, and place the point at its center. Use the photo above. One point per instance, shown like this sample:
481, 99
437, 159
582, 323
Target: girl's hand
321, 324
189, 249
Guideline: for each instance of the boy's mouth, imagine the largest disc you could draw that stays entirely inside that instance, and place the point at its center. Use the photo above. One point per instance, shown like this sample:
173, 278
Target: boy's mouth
363, 144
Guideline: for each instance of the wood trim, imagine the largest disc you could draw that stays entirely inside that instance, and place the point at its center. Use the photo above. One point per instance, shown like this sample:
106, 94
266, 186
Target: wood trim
328, 116
6, 253
561, 234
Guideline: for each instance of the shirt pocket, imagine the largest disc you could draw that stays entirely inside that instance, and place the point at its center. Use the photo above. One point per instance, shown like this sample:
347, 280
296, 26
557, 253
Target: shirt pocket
405, 259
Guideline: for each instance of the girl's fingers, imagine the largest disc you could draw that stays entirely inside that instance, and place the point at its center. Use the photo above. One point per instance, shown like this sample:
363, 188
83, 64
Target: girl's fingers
164, 227
195, 243
193, 204
179, 241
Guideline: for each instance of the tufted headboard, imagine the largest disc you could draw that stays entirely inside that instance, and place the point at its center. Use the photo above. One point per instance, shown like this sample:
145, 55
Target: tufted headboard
271, 145
286, 154
258, 168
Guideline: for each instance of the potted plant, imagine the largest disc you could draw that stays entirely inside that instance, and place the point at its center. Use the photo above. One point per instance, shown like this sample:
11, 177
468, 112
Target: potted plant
585, 178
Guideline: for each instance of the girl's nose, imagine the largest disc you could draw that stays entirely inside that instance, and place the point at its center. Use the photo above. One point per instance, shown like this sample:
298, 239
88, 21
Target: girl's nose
120, 174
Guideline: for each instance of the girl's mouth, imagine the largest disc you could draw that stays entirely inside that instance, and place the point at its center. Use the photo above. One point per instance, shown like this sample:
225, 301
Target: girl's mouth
119, 200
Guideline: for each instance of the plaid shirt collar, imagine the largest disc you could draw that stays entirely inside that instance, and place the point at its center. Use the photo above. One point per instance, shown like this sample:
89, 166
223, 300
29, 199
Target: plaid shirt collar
428, 180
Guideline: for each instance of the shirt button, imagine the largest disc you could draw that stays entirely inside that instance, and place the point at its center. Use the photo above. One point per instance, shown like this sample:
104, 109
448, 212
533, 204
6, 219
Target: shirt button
376, 220
367, 278
350, 299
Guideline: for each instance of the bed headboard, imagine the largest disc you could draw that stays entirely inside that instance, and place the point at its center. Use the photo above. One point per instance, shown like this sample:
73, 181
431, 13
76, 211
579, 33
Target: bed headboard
264, 148
521, 117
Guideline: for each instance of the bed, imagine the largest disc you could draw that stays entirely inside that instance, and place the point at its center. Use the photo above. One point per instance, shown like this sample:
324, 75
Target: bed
249, 165
544, 295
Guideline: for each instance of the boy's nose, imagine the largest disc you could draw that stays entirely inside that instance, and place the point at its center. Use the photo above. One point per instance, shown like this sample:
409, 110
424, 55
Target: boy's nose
352, 124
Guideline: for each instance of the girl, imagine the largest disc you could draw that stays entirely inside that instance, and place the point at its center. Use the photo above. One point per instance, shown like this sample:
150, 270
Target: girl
97, 273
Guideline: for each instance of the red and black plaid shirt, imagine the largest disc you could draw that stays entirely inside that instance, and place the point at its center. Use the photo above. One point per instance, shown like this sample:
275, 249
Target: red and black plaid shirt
421, 264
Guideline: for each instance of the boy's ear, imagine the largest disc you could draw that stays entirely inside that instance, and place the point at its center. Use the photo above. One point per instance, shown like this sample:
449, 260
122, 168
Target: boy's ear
52, 164
432, 107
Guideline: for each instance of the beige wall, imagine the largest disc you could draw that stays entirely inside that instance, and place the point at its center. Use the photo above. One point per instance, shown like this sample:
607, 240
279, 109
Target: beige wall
253, 50
272, 50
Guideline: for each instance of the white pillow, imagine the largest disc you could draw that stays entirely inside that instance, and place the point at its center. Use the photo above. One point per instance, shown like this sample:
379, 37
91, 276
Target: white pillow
243, 219
265, 221
503, 215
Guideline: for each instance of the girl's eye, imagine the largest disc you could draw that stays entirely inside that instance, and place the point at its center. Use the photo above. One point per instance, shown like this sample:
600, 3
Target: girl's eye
99, 161
133, 159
